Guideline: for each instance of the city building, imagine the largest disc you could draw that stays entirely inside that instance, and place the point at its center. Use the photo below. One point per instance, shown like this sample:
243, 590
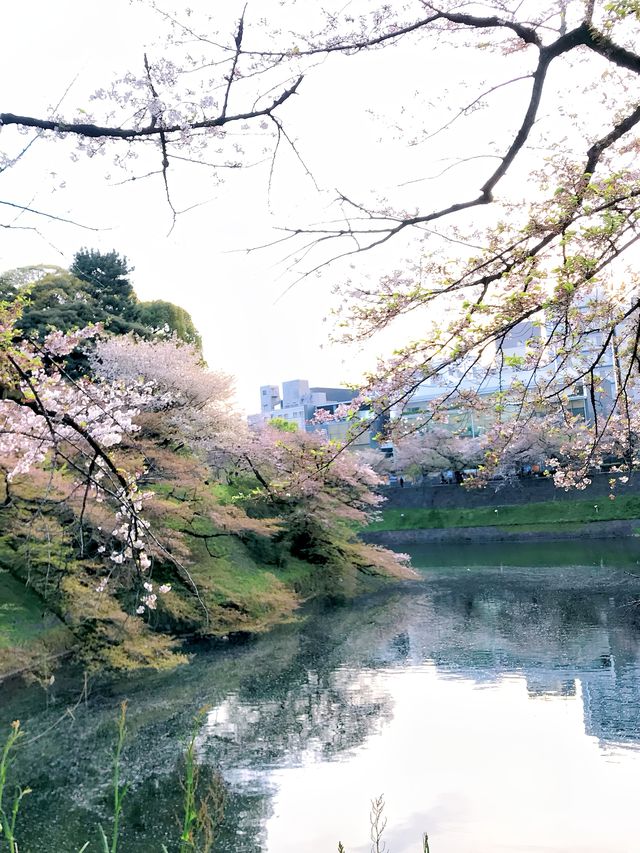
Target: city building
504, 372
269, 398
299, 405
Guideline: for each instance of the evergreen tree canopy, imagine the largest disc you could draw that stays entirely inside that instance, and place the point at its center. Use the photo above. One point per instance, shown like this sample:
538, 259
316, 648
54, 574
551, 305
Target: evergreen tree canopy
95, 289
63, 301
7, 290
106, 279
159, 314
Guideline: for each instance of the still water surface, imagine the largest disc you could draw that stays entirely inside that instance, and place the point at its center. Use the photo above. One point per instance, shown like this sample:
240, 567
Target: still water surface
495, 703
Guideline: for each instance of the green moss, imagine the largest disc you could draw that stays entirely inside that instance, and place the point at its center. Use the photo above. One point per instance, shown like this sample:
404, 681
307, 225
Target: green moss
38, 554
238, 593
24, 617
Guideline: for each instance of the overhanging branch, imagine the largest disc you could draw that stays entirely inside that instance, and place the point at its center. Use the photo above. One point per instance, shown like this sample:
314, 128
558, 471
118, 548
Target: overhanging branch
95, 131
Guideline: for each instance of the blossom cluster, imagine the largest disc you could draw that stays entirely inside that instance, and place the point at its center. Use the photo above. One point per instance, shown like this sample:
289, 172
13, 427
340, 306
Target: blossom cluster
58, 343
150, 598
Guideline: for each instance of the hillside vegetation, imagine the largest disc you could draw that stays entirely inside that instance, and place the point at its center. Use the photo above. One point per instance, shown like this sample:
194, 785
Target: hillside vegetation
229, 573
137, 508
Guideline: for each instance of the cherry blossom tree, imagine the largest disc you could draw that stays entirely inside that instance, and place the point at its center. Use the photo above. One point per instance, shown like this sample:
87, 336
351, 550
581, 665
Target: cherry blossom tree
82, 435
317, 490
436, 451
176, 370
530, 216
45, 415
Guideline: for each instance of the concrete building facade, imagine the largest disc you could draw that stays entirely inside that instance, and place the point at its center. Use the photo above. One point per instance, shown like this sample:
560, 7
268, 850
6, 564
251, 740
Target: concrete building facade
299, 404
505, 372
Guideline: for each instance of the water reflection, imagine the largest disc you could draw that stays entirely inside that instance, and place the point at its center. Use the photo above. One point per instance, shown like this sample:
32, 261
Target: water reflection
482, 769
497, 707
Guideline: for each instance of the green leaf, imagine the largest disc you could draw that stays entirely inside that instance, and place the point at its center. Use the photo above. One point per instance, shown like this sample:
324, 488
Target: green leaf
103, 839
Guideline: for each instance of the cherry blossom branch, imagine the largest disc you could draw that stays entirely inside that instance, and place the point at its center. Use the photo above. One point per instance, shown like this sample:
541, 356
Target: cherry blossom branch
95, 131
163, 143
478, 99
390, 226
527, 34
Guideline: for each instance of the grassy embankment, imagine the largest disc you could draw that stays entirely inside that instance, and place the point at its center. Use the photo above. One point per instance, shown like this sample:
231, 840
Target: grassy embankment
534, 517
229, 572
29, 634
49, 603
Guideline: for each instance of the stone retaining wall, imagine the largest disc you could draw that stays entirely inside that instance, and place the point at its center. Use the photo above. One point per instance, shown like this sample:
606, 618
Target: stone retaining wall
427, 536
530, 490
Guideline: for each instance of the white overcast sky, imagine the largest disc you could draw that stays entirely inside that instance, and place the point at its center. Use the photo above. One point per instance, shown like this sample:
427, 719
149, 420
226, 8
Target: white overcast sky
354, 120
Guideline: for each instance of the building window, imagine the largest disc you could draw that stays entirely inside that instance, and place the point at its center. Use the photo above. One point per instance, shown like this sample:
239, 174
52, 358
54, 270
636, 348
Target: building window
577, 409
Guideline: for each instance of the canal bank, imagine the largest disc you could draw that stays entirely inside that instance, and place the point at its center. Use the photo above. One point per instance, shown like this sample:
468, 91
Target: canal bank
522, 511
517, 533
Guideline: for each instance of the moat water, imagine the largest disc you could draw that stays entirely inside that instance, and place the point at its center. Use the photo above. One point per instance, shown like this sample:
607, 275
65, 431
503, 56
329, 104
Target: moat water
495, 703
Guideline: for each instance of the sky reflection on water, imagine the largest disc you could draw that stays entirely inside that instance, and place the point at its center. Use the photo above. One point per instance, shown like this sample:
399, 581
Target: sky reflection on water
515, 722
487, 767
